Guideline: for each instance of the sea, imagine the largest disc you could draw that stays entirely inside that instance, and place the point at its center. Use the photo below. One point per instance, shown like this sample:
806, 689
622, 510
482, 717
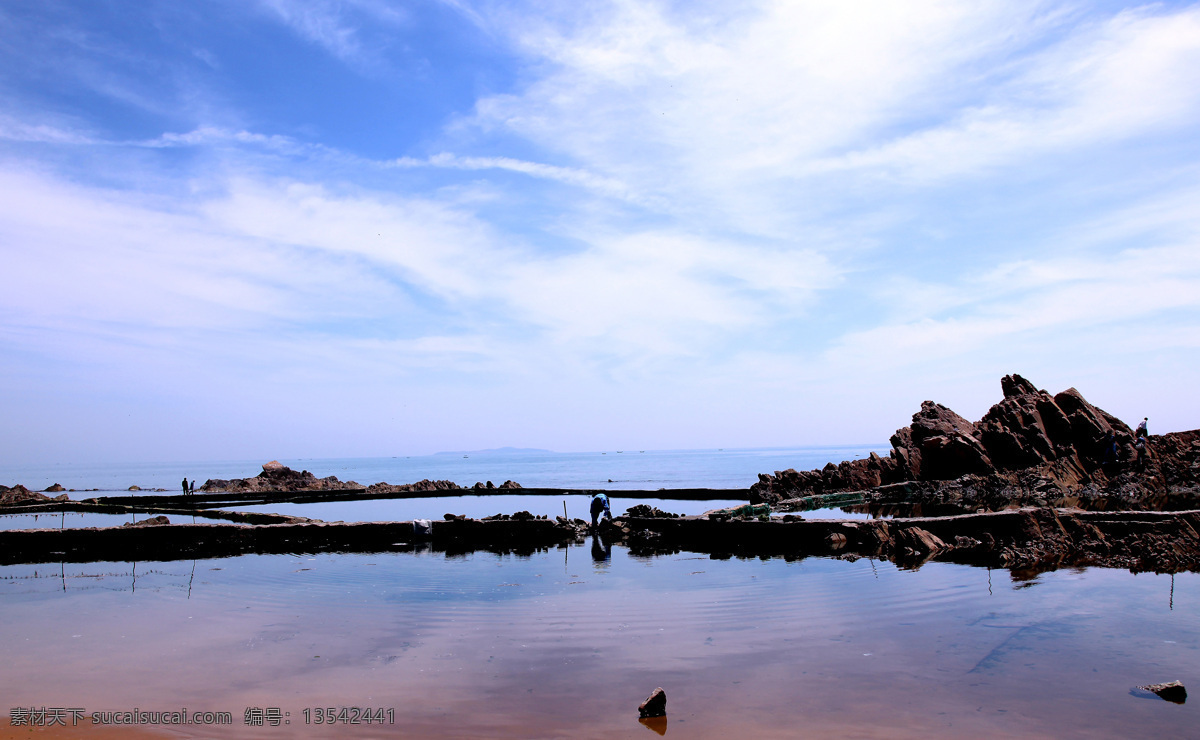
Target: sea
565, 642
610, 469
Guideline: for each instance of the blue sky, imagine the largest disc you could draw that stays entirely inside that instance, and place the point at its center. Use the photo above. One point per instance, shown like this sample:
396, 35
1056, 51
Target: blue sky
358, 227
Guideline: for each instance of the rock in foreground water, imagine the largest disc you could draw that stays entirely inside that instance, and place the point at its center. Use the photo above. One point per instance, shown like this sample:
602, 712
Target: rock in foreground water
655, 704
1173, 691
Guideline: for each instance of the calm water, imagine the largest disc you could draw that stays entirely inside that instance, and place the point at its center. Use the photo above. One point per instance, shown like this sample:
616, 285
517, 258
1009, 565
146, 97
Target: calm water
629, 469
382, 510
566, 643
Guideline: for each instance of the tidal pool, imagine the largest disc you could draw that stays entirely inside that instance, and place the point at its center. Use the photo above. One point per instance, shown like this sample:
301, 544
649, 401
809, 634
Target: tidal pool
567, 642
434, 507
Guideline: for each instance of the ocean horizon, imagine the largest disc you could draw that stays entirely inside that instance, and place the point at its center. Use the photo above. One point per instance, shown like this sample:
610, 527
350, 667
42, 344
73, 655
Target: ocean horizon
721, 468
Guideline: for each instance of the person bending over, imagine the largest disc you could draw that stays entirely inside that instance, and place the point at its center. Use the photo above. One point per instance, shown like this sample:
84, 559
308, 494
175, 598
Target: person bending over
600, 505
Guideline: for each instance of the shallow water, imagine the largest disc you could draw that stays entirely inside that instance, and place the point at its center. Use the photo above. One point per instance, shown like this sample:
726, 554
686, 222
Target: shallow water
566, 642
402, 510
77, 519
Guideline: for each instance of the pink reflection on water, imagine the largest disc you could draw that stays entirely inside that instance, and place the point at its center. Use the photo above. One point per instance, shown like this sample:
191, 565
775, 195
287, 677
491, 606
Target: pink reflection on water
561, 644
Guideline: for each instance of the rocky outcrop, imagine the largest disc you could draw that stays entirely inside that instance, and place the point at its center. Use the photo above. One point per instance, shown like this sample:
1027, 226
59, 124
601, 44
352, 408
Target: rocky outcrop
421, 485
1030, 448
280, 478
277, 477
19, 495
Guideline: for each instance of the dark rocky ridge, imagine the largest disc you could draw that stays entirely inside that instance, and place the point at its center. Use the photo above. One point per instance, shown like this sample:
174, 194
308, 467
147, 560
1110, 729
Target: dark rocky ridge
1031, 448
280, 478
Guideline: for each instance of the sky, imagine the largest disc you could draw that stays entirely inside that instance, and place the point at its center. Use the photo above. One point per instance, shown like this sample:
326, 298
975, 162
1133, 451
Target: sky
233, 229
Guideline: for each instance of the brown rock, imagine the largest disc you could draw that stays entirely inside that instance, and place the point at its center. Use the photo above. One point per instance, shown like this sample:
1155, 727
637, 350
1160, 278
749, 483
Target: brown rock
56, 488
949, 444
655, 704
1173, 691
19, 494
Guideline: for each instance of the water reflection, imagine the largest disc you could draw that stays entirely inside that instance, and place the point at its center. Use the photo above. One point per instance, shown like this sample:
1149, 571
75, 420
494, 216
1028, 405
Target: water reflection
488, 645
658, 724
601, 551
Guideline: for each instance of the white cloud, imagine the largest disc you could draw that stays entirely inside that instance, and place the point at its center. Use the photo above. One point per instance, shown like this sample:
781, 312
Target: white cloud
751, 121
1060, 303
719, 114
1137, 74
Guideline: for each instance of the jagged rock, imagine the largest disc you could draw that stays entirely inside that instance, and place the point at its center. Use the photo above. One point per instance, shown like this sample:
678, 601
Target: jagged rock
1173, 691
949, 444
655, 704
19, 494
508, 484
1030, 448
56, 488
1015, 385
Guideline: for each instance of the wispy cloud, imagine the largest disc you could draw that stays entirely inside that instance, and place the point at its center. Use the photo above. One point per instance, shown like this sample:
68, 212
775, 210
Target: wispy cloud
337, 25
567, 175
16, 130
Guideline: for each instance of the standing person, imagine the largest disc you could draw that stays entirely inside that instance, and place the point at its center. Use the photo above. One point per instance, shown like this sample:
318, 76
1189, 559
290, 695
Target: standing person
600, 505
1141, 428
193, 488
1112, 455
185, 487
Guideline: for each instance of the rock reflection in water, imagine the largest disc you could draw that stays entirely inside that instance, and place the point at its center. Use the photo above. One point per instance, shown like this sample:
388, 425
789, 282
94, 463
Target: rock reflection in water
657, 724
895, 511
